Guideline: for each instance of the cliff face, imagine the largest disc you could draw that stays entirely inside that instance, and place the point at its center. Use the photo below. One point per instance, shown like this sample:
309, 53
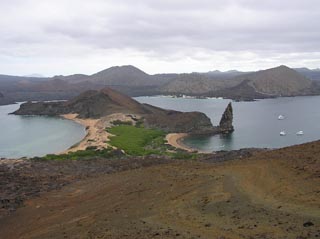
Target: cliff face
226, 120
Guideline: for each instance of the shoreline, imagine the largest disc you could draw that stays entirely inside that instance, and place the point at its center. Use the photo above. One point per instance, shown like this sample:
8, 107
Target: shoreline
176, 140
96, 136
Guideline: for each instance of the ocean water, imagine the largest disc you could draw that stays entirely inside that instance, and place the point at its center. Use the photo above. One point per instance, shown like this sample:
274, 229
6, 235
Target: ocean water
256, 123
35, 135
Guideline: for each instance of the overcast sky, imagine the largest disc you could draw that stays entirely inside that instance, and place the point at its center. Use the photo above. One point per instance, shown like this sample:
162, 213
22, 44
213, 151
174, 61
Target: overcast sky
85, 36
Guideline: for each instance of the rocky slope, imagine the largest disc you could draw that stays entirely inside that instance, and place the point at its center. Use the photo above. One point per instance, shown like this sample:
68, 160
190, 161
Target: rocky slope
5, 100
97, 104
268, 195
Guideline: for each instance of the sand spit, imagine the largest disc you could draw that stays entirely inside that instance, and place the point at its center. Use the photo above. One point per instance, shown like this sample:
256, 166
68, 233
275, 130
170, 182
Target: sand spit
96, 135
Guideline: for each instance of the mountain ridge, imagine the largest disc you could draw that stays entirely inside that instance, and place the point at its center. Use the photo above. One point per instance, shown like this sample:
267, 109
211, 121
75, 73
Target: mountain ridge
130, 80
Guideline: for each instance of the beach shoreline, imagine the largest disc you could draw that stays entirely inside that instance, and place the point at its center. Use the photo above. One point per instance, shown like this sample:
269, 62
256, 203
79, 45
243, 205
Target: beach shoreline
96, 135
176, 140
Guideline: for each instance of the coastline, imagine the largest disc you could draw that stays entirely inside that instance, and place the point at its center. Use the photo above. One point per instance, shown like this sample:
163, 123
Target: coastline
96, 135
176, 140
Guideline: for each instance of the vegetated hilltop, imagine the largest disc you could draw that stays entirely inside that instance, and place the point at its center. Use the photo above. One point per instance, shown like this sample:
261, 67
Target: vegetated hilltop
279, 81
97, 104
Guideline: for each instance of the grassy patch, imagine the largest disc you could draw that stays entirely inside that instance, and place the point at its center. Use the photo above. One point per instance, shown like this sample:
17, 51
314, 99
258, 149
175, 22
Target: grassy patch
81, 154
138, 140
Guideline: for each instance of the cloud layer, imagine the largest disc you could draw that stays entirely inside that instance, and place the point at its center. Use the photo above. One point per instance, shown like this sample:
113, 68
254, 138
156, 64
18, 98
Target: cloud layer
69, 36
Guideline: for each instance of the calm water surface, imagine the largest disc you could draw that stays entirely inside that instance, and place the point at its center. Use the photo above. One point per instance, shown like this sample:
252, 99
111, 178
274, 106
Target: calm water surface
256, 123
34, 135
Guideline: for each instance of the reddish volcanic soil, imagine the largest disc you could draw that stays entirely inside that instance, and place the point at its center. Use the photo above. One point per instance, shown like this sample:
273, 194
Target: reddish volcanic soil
272, 194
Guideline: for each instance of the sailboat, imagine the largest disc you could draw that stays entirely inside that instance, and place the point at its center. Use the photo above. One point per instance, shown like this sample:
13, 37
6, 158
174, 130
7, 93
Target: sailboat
300, 132
282, 133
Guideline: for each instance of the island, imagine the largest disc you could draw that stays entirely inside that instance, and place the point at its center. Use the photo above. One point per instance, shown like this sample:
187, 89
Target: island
100, 109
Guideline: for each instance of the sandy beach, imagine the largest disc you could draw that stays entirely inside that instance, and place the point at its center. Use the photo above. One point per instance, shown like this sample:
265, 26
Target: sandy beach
175, 140
96, 136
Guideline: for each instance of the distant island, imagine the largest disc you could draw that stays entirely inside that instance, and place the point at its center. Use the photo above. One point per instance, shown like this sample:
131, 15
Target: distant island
240, 86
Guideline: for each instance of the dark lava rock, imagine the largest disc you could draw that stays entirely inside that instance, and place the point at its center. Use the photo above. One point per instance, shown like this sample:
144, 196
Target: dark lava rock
308, 224
226, 120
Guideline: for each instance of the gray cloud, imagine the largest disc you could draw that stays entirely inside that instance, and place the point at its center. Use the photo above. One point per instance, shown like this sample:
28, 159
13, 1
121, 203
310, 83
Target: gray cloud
159, 33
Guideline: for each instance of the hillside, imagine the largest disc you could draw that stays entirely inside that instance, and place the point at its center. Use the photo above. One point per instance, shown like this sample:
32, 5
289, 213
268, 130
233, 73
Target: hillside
124, 76
313, 74
271, 194
278, 81
194, 84
5, 100
97, 104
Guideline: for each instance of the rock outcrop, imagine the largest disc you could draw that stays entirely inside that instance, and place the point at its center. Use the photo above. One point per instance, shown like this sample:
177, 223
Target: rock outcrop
226, 121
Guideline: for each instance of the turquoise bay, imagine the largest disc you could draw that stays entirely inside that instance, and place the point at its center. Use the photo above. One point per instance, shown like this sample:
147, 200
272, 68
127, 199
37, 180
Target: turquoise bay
34, 135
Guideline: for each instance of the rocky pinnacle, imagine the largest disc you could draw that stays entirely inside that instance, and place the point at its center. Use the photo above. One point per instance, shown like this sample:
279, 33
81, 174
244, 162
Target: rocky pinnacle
226, 120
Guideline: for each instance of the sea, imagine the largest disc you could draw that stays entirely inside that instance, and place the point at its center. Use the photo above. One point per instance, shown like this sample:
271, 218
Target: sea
29, 136
256, 124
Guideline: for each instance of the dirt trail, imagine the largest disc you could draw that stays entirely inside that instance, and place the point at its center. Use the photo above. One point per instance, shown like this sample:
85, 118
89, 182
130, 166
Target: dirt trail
177, 200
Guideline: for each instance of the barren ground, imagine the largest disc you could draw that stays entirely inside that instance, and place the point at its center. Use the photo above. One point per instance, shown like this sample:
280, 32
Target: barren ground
273, 194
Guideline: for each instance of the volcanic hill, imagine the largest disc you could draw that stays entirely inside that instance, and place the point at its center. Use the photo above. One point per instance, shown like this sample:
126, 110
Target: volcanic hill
96, 104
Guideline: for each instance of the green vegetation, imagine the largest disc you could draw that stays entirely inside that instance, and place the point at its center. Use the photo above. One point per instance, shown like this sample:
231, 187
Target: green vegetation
90, 152
134, 140
138, 140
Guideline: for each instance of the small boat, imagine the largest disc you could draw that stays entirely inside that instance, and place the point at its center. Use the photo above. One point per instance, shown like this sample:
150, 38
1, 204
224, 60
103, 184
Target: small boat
282, 133
300, 132
280, 117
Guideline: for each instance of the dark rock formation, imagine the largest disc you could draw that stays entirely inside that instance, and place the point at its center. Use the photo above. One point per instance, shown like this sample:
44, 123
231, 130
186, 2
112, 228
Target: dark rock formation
225, 124
178, 122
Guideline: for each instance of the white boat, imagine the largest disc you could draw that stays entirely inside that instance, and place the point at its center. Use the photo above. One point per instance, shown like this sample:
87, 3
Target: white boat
280, 117
300, 133
282, 133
